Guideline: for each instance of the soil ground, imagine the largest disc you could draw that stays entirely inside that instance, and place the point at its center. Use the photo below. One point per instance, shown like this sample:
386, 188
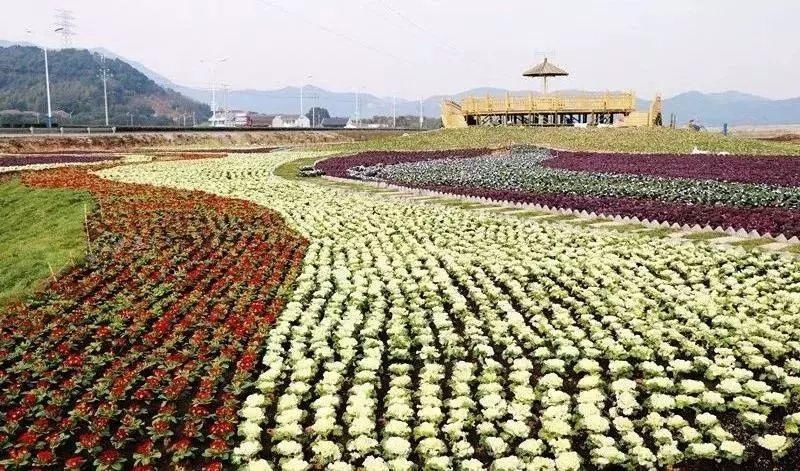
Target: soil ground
181, 140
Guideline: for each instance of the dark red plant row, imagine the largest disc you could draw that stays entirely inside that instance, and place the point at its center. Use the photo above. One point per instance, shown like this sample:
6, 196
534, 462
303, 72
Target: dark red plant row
773, 220
338, 166
139, 358
770, 170
36, 159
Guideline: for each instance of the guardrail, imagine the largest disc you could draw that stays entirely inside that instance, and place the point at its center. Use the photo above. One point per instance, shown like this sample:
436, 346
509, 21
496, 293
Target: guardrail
101, 130
549, 103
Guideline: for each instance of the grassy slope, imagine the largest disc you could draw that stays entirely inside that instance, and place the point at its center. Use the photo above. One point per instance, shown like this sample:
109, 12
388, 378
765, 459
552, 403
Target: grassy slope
609, 139
37, 227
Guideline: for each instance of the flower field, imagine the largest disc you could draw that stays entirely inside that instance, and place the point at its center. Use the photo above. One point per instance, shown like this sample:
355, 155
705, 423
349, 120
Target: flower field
534, 176
429, 337
139, 358
771, 170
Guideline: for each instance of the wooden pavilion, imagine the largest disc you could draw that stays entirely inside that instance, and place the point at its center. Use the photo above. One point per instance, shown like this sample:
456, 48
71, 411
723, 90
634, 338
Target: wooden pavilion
550, 109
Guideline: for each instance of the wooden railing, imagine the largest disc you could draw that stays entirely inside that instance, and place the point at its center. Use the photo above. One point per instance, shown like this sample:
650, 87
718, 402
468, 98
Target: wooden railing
611, 102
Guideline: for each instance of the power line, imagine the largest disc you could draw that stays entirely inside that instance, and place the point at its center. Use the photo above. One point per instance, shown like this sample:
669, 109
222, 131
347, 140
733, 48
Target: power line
328, 30
65, 24
386, 5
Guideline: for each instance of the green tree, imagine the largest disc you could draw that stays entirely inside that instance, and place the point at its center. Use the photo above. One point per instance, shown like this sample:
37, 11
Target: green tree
316, 114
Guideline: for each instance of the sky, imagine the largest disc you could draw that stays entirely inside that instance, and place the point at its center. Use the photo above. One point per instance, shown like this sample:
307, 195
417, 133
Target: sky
419, 48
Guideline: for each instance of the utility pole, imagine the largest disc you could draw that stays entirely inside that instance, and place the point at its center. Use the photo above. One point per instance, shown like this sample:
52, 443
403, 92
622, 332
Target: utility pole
213, 103
47, 83
104, 71
313, 110
213, 67
225, 88
358, 110
421, 118
394, 111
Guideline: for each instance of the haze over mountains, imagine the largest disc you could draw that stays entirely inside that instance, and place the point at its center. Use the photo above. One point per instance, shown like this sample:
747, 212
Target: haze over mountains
710, 109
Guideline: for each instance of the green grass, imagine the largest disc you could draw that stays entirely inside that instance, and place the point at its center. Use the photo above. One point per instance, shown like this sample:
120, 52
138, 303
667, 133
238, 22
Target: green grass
290, 169
39, 227
660, 232
751, 243
625, 227
704, 235
604, 139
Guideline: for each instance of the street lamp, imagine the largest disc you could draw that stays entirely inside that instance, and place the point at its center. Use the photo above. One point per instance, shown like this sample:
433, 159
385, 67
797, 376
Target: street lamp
313, 111
213, 68
47, 81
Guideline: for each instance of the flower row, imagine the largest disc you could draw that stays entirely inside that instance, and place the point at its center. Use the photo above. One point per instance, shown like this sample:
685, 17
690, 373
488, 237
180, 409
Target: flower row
770, 170
340, 166
51, 159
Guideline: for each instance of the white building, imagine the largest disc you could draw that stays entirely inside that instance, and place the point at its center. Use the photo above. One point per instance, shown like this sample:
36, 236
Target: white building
291, 121
218, 119
230, 119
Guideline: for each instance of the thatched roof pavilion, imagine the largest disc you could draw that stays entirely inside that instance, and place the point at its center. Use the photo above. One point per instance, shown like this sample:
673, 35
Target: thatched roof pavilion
544, 70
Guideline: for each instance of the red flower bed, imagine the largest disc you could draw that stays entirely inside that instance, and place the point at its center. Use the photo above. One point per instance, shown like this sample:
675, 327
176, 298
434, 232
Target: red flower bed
37, 159
771, 170
139, 357
338, 166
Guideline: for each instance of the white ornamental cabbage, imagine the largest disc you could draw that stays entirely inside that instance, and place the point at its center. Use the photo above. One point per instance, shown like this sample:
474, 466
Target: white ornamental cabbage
569, 461
507, 463
396, 447
372, 463
259, 465
777, 444
326, 452
703, 451
253, 414
247, 449
249, 430
732, 450
608, 455
295, 464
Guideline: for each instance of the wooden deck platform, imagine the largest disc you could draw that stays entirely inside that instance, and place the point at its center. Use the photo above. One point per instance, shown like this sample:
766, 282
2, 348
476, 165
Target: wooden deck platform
549, 110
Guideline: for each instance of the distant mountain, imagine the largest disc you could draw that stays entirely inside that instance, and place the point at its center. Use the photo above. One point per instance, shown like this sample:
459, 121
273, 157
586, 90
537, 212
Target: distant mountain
287, 101
732, 107
14, 43
77, 91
